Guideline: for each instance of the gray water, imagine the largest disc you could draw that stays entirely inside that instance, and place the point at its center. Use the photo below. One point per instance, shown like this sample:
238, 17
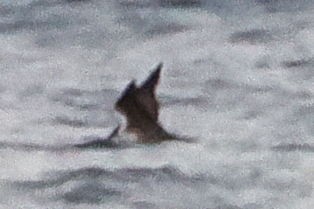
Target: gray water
238, 78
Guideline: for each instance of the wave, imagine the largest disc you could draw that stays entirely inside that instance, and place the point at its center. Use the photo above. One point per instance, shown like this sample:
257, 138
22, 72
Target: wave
95, 143
294, 147
164, 173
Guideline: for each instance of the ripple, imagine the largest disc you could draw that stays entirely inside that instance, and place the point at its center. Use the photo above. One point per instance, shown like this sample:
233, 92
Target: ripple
298, 63
92, 193
161, 174
253, 36
83, 99
294, 147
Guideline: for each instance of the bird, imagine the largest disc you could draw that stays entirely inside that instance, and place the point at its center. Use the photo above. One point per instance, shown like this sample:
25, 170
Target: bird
140, 106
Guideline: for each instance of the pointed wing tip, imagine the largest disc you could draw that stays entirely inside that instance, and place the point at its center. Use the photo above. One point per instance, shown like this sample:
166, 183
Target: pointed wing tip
157, 71
159, 66
131, 87
153, 78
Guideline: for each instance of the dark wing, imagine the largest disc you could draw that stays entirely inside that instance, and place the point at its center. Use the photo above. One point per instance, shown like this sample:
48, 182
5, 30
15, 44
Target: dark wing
151, 82
146, 94
126, 98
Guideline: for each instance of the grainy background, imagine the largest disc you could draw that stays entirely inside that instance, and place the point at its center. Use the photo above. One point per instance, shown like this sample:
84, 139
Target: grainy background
238, 77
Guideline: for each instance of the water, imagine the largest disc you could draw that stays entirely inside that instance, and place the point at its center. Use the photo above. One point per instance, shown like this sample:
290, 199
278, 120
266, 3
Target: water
237, 77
